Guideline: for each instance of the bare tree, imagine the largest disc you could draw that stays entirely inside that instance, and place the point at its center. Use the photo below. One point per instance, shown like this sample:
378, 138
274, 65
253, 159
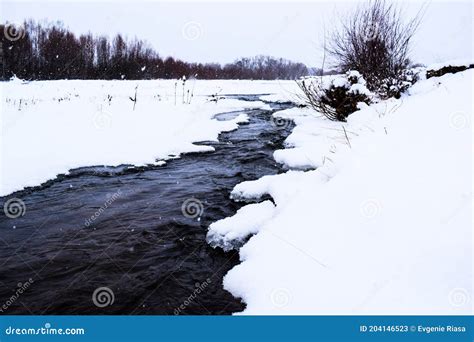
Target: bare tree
51, 51
375, 41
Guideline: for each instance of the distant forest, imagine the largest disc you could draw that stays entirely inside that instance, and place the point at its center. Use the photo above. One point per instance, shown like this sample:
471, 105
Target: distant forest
36, 51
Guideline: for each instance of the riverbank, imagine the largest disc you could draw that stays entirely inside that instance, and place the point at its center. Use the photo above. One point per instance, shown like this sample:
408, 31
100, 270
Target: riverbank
381, 223
50, 127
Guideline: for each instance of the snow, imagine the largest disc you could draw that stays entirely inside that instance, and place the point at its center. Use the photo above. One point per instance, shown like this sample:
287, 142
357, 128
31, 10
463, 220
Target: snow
310, 140
454, 62
50, 127
341, 82
352, 81
359, 89
355, 74
280, 187
374, 216
231, 232
17, 80
383, 225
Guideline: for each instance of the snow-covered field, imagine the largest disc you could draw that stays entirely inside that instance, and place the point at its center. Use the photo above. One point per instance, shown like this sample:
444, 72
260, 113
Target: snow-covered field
382, 226
373, 217
50, 127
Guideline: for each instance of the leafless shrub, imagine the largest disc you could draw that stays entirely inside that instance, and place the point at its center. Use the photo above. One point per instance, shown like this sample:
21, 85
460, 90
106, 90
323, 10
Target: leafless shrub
375, 41
312, 97
336, 100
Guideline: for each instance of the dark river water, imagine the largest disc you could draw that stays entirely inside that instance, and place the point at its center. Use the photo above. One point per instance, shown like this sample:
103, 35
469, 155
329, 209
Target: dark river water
129, 240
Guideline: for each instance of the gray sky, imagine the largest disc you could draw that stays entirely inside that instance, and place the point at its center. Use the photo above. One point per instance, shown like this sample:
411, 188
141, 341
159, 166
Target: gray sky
223, 31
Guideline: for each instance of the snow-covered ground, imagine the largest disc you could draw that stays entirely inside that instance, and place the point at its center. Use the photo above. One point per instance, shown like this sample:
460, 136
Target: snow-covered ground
373, 217
382, 226
51, 127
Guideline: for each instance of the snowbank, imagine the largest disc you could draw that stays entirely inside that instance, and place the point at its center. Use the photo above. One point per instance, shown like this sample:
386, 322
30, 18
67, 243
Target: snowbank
382, 226
453, 63
50, 127
231, 232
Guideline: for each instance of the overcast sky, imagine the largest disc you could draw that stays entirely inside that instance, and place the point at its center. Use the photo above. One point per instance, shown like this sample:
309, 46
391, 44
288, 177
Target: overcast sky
223, 31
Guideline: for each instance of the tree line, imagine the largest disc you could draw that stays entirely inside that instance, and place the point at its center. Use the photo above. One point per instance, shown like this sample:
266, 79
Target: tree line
49, 51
